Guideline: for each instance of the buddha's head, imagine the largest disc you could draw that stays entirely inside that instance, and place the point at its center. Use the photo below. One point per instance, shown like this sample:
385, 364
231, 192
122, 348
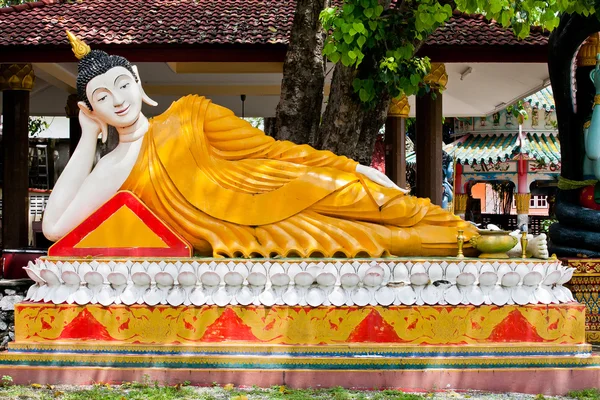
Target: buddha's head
108, 86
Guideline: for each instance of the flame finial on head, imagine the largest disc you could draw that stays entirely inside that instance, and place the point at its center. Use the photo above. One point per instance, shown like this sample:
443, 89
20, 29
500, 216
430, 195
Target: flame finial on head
80, 49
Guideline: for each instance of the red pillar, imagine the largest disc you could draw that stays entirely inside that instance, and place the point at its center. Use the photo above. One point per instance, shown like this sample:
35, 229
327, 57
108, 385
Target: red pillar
523, 197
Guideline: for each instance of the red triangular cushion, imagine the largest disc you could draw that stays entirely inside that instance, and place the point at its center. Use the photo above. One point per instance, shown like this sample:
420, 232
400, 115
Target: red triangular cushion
122, 227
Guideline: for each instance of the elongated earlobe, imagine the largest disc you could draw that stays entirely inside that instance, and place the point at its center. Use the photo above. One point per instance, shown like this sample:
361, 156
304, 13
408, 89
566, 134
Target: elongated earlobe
145, 98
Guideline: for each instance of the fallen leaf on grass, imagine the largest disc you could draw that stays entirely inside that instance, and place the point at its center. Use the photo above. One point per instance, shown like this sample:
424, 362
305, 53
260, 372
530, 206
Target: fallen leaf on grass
36, 386
228, 387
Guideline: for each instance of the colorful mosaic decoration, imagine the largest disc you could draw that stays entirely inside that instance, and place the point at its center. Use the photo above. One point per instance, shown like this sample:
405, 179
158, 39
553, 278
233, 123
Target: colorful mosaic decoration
584, 265
369, 363
424, 325
585, 286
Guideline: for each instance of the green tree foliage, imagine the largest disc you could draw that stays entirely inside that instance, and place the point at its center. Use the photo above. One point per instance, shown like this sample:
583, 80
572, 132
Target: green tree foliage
6, 3
388, 35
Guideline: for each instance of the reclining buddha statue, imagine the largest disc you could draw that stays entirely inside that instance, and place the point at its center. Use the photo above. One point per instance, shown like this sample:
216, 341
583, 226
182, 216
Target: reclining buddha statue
228, 188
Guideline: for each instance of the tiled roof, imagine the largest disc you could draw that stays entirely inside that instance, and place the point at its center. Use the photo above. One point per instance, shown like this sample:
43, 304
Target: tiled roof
136, 22
475, 30
149, 22
544, 97
486, 149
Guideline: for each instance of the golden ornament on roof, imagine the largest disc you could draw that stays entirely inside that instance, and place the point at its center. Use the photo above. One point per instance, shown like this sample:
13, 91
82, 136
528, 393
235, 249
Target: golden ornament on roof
80, 49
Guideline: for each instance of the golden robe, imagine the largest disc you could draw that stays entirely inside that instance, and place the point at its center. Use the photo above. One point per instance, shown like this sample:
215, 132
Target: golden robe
233, 191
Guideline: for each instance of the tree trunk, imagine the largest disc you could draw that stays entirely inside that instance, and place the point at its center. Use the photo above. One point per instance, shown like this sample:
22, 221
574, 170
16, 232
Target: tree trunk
299, 108
348, 128
270, 126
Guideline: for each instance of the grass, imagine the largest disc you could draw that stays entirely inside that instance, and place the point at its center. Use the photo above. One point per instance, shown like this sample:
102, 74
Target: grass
586, 394
153, 390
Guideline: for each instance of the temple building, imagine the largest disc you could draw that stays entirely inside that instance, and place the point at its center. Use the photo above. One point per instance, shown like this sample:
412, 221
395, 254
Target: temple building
523, 160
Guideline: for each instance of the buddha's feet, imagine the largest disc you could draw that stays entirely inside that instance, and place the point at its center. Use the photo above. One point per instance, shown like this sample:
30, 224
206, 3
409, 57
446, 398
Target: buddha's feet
577, 234
537, 246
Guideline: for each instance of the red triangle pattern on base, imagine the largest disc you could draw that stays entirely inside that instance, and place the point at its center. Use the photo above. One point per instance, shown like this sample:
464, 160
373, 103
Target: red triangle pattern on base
84, 325
374, 329
177, 245
515, 328
227, 327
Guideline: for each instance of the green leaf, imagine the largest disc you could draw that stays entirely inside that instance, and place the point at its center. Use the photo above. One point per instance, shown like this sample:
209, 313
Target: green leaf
352, 55
348, 38
346, 61
361, 41
495, 6
368, 12
359, 27
505, 19
372, 25
441, 17
378, 10
364, 95
334, 57
415, 79
329, 48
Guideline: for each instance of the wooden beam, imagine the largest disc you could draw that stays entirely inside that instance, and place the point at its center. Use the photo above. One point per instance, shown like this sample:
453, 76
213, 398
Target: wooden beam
226, 67
262, 53
429, 147
152, 53
57, 75
217, 90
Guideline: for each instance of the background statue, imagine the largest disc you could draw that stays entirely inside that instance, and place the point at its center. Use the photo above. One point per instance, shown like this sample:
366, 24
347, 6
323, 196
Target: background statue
448, 165
578, 231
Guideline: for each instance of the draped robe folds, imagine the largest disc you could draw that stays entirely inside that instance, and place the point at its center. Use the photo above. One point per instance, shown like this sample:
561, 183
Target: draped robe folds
232, 191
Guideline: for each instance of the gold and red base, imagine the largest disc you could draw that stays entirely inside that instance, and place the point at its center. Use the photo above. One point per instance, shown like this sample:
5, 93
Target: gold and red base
407, 325
415, 347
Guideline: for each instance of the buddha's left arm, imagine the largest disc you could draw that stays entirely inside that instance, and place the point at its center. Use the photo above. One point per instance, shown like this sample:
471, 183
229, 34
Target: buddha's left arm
232, 138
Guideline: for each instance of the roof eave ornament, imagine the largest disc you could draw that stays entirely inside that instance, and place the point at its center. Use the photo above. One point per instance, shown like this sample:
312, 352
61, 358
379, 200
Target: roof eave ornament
80, 49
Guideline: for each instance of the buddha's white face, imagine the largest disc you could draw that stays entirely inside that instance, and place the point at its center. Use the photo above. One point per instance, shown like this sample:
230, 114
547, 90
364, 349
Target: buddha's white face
115, 97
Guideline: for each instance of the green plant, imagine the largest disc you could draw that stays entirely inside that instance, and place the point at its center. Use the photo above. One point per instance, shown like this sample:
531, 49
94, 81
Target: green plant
517, 110
545, 224
585, 394
36, 125
7, 380
381, 42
